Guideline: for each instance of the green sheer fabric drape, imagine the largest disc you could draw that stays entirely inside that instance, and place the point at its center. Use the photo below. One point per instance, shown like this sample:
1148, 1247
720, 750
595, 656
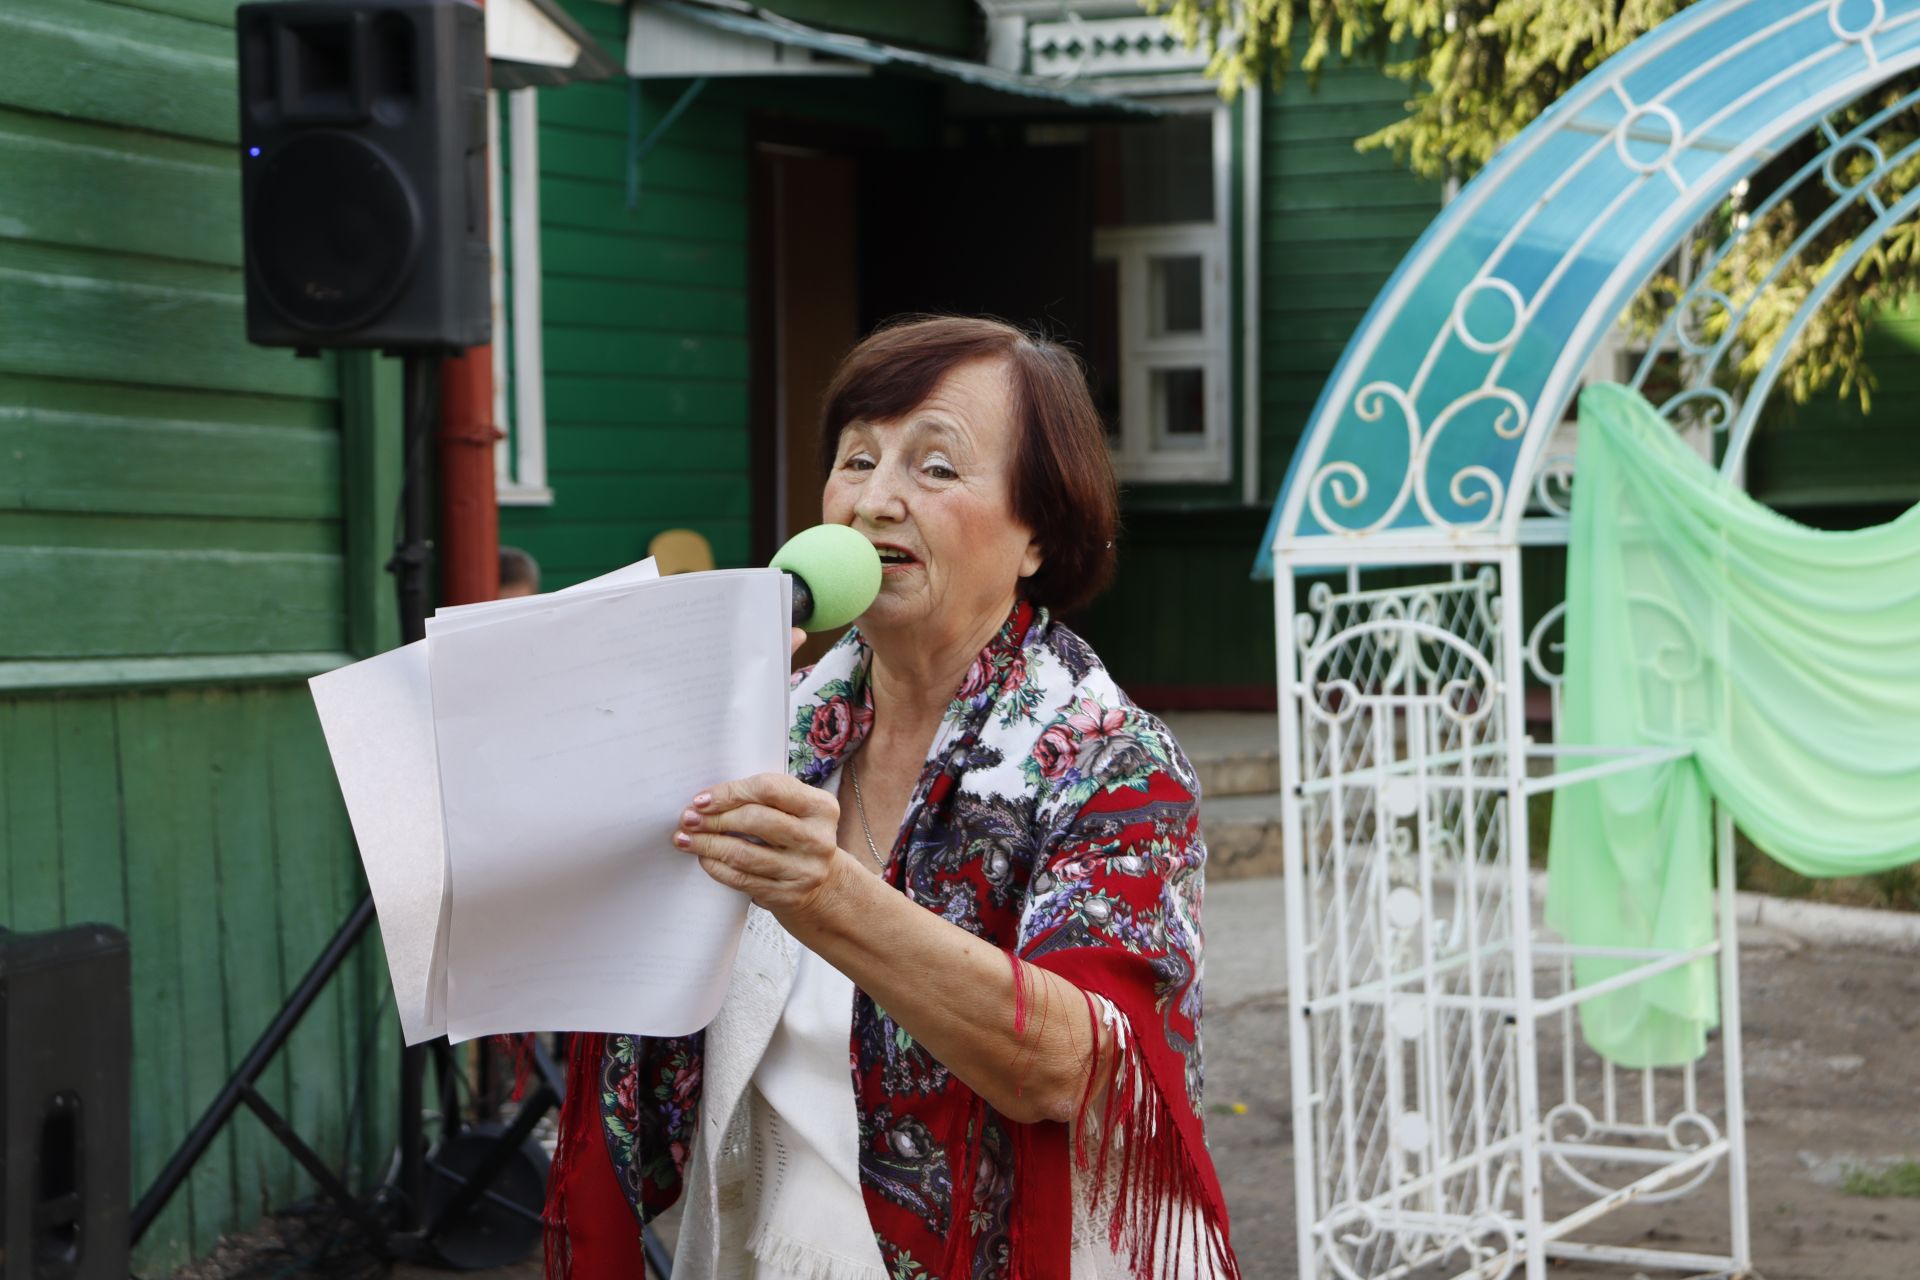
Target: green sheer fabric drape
1786, 658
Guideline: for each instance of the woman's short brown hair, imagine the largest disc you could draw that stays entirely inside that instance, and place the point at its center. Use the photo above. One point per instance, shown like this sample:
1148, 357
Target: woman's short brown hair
1063, 483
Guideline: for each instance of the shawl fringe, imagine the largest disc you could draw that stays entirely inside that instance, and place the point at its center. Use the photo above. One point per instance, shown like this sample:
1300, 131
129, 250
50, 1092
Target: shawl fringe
790, 1257
517, 1049
1166, 1205
579, 1123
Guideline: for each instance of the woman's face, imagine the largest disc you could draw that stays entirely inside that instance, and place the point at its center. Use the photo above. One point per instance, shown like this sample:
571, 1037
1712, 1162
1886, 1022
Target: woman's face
932, 491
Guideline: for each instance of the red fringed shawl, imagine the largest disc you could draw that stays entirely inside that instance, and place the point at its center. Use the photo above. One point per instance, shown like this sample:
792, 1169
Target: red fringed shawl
1061, 823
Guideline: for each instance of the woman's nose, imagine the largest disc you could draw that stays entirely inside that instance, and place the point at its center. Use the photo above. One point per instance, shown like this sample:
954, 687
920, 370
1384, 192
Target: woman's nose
880, 498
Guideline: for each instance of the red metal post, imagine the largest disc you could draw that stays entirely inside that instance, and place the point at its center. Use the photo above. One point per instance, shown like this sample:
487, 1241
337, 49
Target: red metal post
469, 552
469, 548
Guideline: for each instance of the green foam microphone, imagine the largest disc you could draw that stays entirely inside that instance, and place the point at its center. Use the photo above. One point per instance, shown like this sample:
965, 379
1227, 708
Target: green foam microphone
836, 575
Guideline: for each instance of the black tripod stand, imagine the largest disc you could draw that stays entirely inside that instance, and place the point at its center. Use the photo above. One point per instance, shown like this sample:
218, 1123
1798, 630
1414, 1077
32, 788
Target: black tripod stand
408, 1218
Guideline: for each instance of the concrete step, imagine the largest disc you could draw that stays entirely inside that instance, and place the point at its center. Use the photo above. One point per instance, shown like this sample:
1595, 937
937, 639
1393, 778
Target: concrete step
1243, 835
1237, 753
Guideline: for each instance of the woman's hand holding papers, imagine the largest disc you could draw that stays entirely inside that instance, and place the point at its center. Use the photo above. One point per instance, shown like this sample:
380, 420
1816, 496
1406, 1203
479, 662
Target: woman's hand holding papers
770, 836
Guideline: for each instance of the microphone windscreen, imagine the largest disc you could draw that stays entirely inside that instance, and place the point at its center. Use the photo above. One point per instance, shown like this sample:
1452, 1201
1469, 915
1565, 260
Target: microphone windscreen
841, 570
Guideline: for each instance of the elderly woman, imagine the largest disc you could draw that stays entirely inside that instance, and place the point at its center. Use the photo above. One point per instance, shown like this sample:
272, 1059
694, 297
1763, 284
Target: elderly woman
962, 1036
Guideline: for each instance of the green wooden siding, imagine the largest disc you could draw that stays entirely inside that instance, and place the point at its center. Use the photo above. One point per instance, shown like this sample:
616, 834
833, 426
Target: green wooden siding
1335, 223
1828, 463
191, 820
1183, 609
645, 327
185, 530
646, 320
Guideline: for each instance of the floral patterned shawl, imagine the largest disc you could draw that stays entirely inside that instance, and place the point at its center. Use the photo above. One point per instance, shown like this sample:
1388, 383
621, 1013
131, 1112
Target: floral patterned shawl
1060, 822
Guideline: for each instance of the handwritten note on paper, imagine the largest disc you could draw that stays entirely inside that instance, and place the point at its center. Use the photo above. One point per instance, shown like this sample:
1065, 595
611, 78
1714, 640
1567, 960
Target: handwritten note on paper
569, 739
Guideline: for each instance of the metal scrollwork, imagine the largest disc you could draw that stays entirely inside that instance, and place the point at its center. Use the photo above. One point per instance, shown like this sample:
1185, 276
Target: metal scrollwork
1516, 312
1686, 1132
1690, 319
1553, 485
1345, 1230
1538, 646
1334, 701
1466, 698
1474, 484
1346, 485
1676, 657
1717, 416
1475, 1244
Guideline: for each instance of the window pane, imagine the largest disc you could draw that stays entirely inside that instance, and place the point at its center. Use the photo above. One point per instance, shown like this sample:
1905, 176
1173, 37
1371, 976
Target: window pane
1103, 346
1176, 295
1152, 173
1179, 408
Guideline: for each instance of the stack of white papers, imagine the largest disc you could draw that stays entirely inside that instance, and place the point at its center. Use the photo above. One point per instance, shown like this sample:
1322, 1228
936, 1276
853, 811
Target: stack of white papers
514, 781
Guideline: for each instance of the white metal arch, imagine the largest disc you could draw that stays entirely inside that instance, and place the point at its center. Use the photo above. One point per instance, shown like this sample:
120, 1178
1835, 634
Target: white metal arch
1448, 1118
1428, 434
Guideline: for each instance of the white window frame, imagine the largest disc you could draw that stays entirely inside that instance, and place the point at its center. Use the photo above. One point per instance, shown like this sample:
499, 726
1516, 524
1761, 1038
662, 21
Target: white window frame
519, 389
1140, 353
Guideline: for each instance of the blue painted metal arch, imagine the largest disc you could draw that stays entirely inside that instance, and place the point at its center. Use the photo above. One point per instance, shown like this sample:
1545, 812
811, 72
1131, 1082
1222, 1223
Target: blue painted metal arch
1428, 431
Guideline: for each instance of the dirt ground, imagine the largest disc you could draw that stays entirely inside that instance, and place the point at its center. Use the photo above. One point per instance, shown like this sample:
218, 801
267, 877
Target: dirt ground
1832, 1082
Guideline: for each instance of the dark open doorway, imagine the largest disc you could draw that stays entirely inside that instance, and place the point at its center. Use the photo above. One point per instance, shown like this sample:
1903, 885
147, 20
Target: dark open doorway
806, 315
848, 234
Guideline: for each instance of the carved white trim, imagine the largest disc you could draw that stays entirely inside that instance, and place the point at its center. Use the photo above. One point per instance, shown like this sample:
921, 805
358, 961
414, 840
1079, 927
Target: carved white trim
1075, 47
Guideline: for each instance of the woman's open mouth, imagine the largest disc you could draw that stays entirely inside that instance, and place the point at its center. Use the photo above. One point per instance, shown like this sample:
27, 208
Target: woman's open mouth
892, 557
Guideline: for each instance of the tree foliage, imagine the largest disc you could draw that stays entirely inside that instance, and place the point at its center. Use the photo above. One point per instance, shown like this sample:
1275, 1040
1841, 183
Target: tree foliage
1479, 71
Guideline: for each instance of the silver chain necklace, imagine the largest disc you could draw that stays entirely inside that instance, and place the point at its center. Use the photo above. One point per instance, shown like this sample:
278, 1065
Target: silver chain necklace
860, 807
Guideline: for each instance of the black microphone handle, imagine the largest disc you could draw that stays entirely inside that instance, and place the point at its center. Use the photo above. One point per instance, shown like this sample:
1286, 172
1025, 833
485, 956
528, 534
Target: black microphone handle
802, 600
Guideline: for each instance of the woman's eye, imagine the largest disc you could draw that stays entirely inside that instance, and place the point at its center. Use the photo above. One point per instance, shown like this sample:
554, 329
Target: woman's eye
941, 471
858, 462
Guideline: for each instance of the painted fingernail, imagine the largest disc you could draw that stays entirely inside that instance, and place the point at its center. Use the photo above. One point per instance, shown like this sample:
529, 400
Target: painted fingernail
702, 800
690, 820
682, 839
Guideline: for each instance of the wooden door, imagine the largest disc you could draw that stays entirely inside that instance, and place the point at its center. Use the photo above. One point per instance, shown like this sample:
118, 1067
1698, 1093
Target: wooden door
810, 293
807, 317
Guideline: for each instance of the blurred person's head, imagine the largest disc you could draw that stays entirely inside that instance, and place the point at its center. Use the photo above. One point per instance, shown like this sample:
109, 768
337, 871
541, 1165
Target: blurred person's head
519, 573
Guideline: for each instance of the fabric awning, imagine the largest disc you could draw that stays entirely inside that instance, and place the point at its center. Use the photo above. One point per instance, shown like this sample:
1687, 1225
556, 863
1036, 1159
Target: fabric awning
658, 48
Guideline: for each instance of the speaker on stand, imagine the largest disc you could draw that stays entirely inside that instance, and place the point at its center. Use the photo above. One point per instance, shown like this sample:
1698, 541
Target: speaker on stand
363, 159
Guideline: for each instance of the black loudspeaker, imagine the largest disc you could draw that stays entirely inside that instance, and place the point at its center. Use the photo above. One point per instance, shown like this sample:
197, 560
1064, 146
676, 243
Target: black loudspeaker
363, 136
66, 1050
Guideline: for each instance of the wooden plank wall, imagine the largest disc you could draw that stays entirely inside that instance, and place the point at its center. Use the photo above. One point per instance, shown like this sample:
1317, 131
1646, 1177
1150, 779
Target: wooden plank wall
1183, 611
204, 823
1336, 222
1830, 465
171, 502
